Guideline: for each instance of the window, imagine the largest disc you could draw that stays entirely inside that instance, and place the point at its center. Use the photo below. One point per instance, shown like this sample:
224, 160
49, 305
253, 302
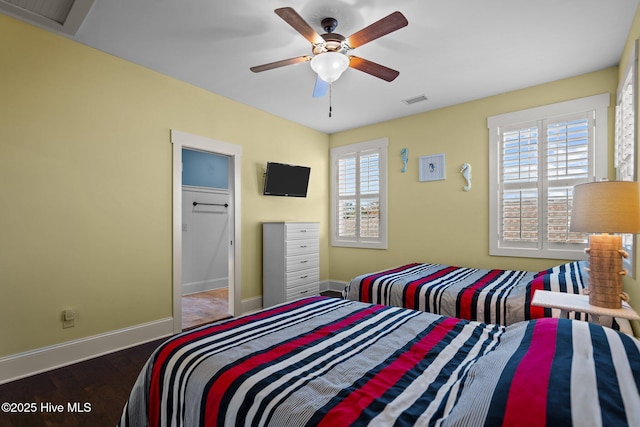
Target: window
625, 144
536, 157
359, 195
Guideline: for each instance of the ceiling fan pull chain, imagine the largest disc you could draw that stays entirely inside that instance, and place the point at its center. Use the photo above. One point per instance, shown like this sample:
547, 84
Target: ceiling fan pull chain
330, 99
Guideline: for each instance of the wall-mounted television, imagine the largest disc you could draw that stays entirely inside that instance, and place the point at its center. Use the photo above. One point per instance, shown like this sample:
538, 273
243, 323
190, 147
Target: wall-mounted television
286, 180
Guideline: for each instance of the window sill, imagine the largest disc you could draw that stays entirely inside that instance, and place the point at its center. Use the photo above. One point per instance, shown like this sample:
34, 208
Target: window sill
360, 245
573, 254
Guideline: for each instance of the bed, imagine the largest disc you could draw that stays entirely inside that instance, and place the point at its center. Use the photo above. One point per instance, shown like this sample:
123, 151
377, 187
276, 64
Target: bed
492, 296
332, 362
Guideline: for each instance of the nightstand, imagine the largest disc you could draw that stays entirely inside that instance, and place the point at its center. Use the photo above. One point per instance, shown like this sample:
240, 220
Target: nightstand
574, 302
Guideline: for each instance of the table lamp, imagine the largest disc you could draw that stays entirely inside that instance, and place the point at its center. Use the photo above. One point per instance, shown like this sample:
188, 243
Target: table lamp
606, 207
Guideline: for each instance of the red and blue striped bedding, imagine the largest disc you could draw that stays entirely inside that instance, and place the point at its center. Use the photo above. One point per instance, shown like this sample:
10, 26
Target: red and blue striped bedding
331, 362
491, 296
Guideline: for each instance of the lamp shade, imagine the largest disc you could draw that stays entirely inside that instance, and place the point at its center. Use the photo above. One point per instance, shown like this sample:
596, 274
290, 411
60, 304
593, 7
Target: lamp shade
606, 207
330, 65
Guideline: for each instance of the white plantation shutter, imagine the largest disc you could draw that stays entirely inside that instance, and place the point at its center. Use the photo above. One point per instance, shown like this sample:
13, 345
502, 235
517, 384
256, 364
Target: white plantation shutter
347, 218
625, 147
519, 185
536, 164
568, 156
359, 194
369, 195
625, 134
558, 147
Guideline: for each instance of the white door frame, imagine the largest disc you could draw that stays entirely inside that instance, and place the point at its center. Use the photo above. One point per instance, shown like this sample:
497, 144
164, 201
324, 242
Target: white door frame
182, 140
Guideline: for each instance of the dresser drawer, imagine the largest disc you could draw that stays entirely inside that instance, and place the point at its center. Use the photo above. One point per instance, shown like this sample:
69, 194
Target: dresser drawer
302, 231
301, 262
302, 291
298, 278
302, 246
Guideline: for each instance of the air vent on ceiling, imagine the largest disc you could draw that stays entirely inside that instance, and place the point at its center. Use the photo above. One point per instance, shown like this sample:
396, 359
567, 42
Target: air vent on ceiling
65, 16
415, 99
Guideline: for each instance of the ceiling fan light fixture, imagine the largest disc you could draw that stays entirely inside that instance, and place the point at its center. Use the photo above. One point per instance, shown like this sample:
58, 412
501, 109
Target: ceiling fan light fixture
329, 65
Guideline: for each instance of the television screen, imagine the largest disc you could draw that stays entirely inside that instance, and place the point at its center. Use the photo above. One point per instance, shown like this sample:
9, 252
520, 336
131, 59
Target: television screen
286, 180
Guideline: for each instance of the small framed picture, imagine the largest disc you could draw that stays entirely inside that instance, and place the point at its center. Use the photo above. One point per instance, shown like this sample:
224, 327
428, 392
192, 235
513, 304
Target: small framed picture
432, 167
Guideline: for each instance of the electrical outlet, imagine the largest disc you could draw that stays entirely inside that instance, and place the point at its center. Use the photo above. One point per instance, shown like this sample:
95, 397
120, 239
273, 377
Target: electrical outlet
68, 318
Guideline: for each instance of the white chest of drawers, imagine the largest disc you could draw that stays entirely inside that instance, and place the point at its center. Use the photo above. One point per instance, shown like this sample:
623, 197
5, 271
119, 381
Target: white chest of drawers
290, 261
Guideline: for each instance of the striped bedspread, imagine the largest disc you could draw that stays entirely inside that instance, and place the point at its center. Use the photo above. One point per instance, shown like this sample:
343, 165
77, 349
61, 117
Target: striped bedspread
492, 296
331, 362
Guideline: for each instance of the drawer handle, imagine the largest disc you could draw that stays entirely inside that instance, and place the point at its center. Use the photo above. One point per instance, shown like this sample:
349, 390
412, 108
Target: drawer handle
304, 261
303, 246
304, 277
304, 292
303, 231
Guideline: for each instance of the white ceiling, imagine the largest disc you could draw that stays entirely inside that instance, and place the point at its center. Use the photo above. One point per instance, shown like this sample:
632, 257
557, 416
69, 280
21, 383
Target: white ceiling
451, 51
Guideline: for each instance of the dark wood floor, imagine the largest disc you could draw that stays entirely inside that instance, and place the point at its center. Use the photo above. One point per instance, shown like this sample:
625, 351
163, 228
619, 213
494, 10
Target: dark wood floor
104, 383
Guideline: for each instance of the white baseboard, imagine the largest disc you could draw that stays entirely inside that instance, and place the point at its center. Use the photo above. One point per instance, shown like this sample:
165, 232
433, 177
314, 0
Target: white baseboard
332, 285
205, 285
32, 362
251, 304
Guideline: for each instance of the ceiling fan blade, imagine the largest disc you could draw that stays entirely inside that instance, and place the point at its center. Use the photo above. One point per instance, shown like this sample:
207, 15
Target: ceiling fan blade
300, 25
278, 64
384, 26
376, 70
320, 88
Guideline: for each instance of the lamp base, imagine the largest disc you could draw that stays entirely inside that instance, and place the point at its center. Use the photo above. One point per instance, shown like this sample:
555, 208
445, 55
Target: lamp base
605, 270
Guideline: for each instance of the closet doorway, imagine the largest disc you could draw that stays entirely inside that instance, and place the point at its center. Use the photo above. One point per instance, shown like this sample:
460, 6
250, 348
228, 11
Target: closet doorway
196, 269
205, 237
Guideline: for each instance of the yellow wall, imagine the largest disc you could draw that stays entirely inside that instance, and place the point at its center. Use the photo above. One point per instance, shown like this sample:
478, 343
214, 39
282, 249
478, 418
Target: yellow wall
632, 284
437, 221
85, 167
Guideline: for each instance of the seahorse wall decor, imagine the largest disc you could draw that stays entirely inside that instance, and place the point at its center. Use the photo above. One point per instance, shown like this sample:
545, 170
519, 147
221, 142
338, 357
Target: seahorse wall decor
405, 156
465, 170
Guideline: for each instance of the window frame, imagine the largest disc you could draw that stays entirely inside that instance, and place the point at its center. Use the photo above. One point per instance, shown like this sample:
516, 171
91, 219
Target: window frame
597, 103
381, 145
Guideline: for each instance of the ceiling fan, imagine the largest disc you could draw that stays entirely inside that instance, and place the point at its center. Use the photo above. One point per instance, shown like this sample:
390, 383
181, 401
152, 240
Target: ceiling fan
330, 59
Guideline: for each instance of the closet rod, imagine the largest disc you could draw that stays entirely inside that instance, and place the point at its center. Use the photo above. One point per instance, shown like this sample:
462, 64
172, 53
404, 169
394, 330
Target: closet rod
226, 205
